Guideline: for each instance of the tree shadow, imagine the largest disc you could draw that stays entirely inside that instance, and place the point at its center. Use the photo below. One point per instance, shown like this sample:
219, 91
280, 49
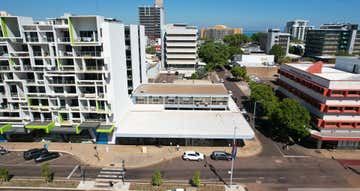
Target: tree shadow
213, 170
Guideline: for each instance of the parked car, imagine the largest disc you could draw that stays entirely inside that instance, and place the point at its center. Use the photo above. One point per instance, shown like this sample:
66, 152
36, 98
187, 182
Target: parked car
193, 155
220, 155
3, 151
34, 153
47, 156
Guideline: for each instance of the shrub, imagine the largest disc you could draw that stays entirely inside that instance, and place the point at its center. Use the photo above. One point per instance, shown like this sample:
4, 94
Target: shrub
156, 179
195, 181
4, 175
46, 173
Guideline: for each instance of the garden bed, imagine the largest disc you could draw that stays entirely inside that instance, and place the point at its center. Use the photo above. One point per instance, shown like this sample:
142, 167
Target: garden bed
40, 183
168, 186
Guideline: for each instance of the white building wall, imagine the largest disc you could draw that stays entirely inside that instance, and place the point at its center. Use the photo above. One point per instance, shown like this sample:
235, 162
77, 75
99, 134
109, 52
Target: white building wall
142, 44
135, 60
114, 52
257, 58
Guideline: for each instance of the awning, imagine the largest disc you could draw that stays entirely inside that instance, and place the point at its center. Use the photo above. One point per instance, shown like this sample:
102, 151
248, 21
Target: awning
45, 125
105, 129
86, 126
64, 130
336, 136
4, 128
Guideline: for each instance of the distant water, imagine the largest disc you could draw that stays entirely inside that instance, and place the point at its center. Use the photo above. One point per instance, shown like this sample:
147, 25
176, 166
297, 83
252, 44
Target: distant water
250, 33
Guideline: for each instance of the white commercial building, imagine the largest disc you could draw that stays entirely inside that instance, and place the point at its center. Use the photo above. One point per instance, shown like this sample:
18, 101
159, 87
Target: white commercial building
297, 29
180, 48
253, 60
274, 36
184, 114
68, 74
331, 94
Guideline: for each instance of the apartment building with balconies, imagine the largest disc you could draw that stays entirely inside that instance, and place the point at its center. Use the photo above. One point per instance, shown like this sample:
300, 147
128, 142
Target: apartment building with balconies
67, 75
333, 39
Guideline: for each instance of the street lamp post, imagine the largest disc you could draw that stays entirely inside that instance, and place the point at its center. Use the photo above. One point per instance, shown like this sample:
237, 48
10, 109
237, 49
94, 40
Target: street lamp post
233, 156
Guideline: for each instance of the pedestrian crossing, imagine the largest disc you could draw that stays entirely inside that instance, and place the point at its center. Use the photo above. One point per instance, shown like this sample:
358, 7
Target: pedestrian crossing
109, 176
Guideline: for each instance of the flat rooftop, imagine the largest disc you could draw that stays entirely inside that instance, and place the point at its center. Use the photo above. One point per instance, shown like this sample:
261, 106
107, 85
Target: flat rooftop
328, 72
181, 89
184, 124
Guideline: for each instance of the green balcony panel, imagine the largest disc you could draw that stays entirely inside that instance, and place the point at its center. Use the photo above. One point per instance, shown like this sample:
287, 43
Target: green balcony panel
5, 128
47, 126
4, 27
71, 30
105, 128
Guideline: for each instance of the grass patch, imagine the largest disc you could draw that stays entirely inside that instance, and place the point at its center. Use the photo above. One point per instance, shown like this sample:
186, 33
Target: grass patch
166, 186
41, 183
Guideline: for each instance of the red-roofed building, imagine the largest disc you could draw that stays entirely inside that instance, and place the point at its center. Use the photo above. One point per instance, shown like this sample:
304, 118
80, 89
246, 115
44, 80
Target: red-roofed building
331, 93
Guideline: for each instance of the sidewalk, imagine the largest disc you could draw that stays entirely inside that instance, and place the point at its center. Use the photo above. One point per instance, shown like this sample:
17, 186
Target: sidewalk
329, 153
134, 156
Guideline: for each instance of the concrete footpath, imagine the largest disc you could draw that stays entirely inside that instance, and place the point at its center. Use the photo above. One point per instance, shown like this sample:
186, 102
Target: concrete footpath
134, 156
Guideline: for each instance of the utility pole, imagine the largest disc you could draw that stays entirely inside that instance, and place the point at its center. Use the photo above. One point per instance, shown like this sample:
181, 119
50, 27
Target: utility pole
254, 114
233, 156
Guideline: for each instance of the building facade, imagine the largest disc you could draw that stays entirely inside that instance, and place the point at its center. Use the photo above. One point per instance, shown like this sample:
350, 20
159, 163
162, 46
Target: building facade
62, 74
152, 17
331, 95
181, 48
274, 36
332, 39
297, 29
218, 32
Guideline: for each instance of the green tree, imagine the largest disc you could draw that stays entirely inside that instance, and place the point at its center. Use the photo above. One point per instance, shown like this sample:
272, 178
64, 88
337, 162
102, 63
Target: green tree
277, 51
265, 96
235, 40
238, 72
156, 179
46, 173
291, 119
232, 50
256, 37
285, 60
150, 50
4, 174
298, 50
215, 54
196, 181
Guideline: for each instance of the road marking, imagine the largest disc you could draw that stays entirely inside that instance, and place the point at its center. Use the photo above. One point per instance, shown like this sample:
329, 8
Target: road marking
288, 156
72, 172
109, 172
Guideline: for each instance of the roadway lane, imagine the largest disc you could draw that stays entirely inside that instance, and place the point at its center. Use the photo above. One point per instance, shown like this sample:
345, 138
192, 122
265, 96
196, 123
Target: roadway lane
274, 170
61, 166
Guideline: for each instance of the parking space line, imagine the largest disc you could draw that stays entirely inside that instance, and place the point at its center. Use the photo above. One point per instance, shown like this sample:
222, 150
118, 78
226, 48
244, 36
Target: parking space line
72, 172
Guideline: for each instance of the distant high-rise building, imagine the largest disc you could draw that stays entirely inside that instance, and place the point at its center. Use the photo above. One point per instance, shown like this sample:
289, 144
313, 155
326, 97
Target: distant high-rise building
180, 51
332, 39
218, 32
274, 36
297, 29
152, 17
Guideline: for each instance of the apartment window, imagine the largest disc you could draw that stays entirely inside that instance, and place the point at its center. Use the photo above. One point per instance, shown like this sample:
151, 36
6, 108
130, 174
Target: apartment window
47, 116
155, 100
76, 115
170, 100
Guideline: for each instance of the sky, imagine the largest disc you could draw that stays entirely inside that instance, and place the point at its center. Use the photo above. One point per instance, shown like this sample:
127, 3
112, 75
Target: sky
251, 15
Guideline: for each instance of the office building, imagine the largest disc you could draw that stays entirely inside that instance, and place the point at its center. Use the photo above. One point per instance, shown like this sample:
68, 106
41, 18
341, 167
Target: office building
182, 114
274, 36
218, 32
180, 48
67, 76
332, 39
153, 18
297, 29
331, 95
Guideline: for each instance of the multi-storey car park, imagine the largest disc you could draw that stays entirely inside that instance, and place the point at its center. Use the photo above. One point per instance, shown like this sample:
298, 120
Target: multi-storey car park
331, 94
69, 76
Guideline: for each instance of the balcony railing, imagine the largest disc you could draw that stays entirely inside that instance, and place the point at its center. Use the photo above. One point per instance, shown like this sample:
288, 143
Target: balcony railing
4, 68
37, 53
49, 39
32, 39
88, 53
